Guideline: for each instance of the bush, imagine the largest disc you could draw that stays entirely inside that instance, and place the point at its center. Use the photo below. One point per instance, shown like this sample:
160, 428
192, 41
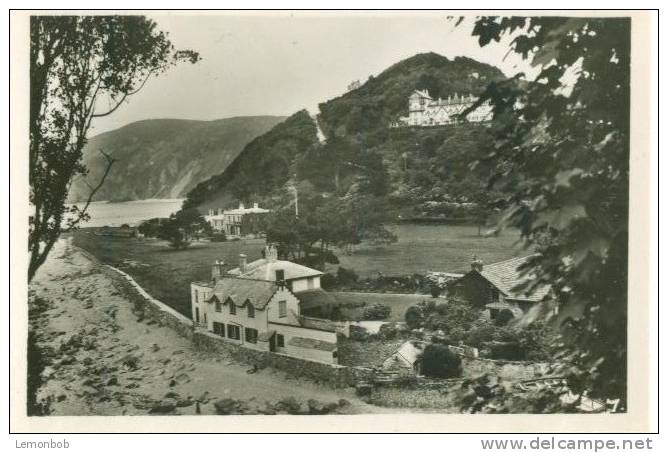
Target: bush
218, 237
328, 281
438, 361
346, 276
388, 331
414, 317
376, 312
503, 317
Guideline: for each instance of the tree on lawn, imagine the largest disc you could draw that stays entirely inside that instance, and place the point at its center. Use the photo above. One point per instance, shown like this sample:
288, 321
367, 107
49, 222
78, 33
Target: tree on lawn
81, 68
562, 153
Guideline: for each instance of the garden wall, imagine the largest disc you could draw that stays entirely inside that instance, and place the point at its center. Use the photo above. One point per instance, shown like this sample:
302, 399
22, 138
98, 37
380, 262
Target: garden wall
330, 374
509, 370
151, 307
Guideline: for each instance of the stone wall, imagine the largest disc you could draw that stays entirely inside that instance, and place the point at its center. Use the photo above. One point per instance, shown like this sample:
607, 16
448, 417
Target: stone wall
149, 306
330, 374
508, 370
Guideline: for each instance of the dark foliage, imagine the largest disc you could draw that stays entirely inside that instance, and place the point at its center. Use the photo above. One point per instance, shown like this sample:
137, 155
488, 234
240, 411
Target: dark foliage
562, 153
76, 63
438, 361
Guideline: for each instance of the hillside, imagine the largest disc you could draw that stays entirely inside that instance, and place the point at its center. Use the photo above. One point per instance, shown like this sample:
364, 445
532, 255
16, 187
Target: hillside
411, 171
264, 165
165, 158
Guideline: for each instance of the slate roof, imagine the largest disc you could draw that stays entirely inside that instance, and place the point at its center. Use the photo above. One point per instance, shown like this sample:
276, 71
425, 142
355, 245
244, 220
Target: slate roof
240, 290
310, 343
411, 351
506, 275
264, 269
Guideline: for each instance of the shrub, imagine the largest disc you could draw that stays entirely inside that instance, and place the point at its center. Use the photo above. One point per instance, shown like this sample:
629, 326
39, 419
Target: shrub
388, 331
328, 281
218, 237
438, 361
414, 317
346, 276
376, 312
503, 317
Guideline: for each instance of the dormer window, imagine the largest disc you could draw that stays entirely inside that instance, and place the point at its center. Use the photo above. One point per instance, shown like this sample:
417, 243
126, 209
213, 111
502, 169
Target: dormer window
251, 310
280, 275
233, 308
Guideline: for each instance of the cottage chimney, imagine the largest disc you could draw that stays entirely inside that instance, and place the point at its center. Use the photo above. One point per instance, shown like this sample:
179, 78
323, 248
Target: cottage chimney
241, 205
476, 264
280, 277
217, 270
242, 263
255, 205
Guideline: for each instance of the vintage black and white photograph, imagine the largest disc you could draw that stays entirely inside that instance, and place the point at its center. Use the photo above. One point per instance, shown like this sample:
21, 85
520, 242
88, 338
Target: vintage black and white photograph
327, 213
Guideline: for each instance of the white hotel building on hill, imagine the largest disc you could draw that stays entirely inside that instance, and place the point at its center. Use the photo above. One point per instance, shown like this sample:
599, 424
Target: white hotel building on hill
424, 111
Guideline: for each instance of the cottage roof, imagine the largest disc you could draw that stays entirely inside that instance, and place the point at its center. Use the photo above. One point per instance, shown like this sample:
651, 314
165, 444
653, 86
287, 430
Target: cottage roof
240, 290
411, 351
311, 343
264, 269
507, 275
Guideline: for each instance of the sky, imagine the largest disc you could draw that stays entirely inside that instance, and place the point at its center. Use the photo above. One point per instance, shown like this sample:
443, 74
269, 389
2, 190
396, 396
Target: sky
276, 63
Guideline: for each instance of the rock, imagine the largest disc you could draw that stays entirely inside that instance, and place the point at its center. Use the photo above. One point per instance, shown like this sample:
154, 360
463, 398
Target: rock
227, 406
132, 385
112, 381
172, 383
163, 407
363, 389
289, 405
316, 407
130, 362
155, 347
178, 351
61, 398
184, 402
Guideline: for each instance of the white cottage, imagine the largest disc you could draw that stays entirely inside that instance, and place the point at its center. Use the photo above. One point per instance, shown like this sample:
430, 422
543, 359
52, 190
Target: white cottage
257, 305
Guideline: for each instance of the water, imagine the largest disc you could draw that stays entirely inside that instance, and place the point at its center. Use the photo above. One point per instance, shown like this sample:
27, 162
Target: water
103, 213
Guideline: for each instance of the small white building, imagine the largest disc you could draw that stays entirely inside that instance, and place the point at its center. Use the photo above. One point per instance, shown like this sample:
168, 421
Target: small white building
425, 111
257, 305
229, 220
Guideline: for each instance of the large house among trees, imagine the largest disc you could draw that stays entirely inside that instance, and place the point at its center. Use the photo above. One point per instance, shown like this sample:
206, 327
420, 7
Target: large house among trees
257, 305
233, 221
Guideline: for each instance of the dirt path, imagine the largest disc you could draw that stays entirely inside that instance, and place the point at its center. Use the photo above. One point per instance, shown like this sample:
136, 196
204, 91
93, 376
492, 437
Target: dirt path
104, 361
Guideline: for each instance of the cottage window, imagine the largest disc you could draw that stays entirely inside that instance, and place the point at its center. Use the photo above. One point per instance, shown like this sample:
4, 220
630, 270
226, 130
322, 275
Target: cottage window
219, 306
219, 328
233, 332
251, 311
233, 308
280, 340
251, 335
196, 296
282, 309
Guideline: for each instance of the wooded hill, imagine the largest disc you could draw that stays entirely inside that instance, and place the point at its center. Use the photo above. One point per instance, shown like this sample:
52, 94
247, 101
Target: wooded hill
414, 171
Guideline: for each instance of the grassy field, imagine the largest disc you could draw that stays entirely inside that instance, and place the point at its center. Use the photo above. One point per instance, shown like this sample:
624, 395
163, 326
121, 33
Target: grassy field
398, 303
167, 273
423, 248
